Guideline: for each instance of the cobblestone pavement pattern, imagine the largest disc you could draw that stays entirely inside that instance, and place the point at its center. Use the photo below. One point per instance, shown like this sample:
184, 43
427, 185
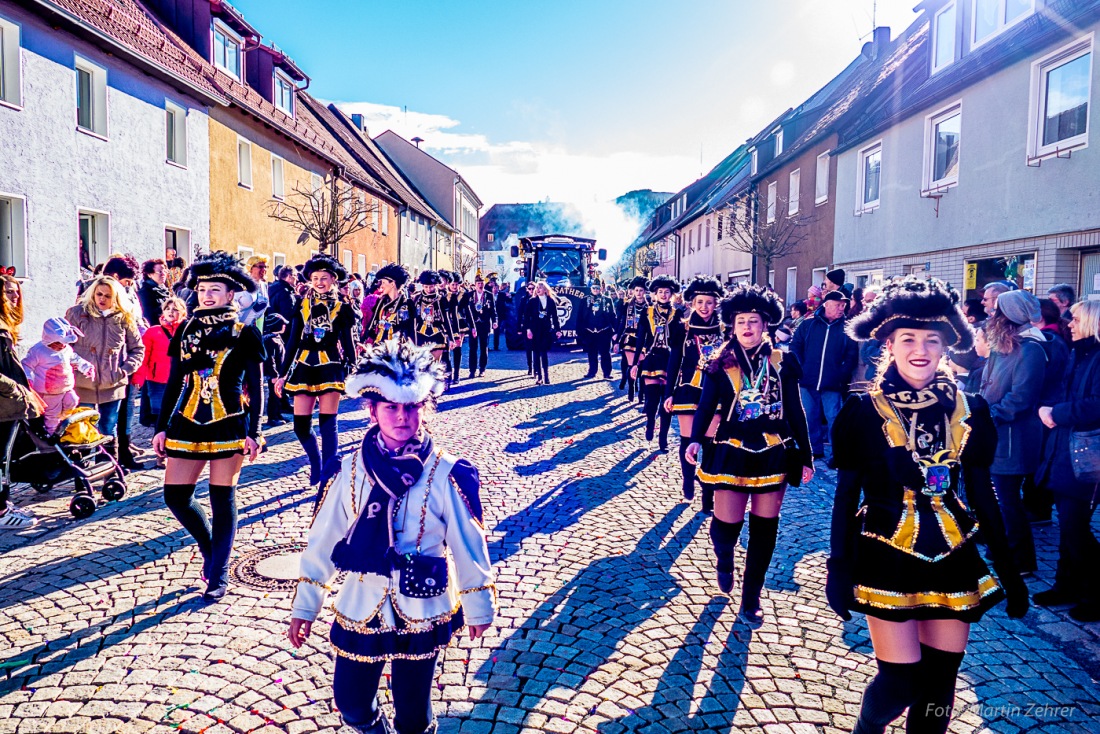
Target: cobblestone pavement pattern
609, 621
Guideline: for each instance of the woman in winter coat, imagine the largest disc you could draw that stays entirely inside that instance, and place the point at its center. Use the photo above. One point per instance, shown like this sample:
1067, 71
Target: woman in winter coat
1012, 382
541, 319
16, 397
1076, 581
152, 377
111, 342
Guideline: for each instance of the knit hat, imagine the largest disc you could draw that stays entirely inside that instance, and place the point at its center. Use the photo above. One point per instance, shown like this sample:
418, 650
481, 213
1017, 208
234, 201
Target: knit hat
835, 276
1020, 307
396, 371
60, 330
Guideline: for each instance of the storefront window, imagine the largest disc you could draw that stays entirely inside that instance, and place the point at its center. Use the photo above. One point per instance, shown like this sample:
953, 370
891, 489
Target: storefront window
1018, 269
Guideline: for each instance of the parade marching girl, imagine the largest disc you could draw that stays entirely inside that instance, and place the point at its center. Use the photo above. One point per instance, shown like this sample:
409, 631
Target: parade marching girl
319, 353
430, 328
392, 316
403, 518
211, 411
653, 355
543, 328
762, 445
908, 558
457, 305
693, 342
633, 311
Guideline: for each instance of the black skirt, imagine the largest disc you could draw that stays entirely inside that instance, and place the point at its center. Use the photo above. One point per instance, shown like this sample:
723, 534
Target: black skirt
318, 379
218, 440
733, 468
655, 365
371, 642
685, 399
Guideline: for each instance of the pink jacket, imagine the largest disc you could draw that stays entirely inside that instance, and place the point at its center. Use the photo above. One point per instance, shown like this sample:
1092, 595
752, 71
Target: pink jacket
50, 372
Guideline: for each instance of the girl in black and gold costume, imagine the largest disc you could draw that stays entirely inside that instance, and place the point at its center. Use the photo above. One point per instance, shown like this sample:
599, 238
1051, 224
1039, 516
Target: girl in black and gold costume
392, 318
762, 445
653, 355
908, 558
630, 320
213, 402
319, 354
456, 304
694, 341
430, 327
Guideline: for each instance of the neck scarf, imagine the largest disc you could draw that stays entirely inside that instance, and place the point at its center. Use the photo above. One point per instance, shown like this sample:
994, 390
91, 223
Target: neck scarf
925, 416
207, 332
368, 546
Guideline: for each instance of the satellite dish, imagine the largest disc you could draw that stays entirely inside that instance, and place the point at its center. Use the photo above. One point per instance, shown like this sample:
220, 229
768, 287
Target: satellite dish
303, 238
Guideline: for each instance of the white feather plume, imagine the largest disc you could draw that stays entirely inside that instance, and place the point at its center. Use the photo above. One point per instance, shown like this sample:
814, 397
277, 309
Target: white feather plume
398, 372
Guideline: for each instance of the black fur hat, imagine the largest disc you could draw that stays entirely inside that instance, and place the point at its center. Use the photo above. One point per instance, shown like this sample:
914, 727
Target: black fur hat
915, 303
752, 298
702, 285
395, 272
220, 267
455, 277
638, 282
326, 263
663, 281
445, 276
429, 277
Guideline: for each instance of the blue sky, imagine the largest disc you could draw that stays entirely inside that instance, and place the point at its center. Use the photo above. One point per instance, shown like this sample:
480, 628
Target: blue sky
572, 100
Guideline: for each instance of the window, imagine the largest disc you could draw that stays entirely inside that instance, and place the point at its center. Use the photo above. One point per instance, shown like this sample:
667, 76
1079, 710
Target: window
361, 197
869, 175
793, 192
227, 50
821, 182
754, 166
347, 260
942, 136
991, 17
386, 219
13, 246
362, 262
771, 279
818, 276
245, 252
374, 206
91, 97
178, 240
244, 163
175, 133
1061, 86
316, 182
771, 201
708, 231
284, 93
792, 285
943, 37
94, 238
11, 90
778, 141
278, 178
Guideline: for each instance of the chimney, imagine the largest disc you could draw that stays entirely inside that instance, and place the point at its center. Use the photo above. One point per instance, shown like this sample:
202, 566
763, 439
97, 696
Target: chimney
876, 47
360, 123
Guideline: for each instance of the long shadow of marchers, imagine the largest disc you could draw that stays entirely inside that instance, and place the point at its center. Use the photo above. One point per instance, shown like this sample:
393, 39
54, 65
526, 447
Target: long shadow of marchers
598, 608
82, 640
560, 507
674, 688
579, 450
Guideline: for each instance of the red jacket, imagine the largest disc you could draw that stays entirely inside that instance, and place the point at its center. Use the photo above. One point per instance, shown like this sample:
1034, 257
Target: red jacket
156, 364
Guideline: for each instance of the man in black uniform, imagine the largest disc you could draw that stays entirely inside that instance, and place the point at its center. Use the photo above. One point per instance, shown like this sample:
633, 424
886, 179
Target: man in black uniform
595, 327
484, 310
503, 300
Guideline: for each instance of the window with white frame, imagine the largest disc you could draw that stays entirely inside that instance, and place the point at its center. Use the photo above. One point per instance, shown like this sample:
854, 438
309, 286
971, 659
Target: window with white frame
793, 192
175, 133
278, 178
943, 37
11, 88
13, 245
244, 163
386, 217
91, 97
245, 252
361, 260
869, 177
942, 139
93, 237
708, 231
771, 279
227, 50
178, 241
792, 285
374, 213
817, 277
778, 141
754, 164
821, 180
278, 260
361, 196
347, 260
1061, 90
772, 188
316, 182
284, 93
991, 17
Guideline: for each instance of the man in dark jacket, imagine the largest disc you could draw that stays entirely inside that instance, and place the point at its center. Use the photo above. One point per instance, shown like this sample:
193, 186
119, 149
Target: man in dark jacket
280, 294
595, 327
503, 300
152, 293
484, 310
828, 357
274, 327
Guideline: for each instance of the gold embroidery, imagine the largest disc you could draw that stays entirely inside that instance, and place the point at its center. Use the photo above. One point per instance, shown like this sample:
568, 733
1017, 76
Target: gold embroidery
204, 447
958, 601
307, 580
739, 481
323, 387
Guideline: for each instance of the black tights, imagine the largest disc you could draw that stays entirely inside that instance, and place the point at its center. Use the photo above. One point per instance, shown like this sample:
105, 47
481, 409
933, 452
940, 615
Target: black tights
653, 394
355, 693
214, 536
926, 688
542, 364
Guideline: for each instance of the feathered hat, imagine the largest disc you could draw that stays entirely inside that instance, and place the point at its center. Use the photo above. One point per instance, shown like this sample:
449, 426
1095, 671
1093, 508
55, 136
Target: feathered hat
638, 282
914, 303
752, 298
663, 281
220, 267
702, 285
395, 272
396, 371
429, 277
327, 264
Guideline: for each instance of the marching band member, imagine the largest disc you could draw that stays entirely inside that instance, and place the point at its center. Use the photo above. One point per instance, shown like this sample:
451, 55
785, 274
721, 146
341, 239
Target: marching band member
653, 355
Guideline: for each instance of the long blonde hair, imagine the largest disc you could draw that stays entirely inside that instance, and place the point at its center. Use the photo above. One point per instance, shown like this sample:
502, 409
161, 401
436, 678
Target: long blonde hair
549, 291
11, 317
87, 300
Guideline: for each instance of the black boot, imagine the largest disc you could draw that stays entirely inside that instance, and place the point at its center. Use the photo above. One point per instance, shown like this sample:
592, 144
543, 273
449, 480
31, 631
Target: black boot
930, 713
723, 536
126, 457
762, 534
630, 391
665, 425
707, 507
687, 470
889, 693
652, 405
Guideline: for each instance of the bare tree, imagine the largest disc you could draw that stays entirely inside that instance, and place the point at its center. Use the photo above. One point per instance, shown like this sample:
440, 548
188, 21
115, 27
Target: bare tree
748, 229
328, 214
464, 263
618, 269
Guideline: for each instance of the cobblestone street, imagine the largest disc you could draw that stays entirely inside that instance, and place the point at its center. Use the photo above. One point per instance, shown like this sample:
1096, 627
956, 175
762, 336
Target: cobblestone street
609, 617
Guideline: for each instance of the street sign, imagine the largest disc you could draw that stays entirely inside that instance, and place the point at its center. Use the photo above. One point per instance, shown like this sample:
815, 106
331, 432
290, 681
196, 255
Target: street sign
971, 276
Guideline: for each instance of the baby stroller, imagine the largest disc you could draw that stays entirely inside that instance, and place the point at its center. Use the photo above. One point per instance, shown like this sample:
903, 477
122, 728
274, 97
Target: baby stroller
43, 461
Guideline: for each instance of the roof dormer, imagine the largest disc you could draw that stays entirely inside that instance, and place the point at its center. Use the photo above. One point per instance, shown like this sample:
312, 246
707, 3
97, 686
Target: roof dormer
276, 77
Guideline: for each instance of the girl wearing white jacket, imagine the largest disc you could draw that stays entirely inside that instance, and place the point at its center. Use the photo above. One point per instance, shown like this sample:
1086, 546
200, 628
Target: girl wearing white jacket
403, 518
